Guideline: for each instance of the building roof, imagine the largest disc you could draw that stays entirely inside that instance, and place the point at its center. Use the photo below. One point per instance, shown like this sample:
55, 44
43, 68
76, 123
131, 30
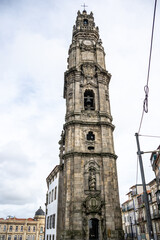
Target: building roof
152, 182
53, 173
136, 185
129, 200
128, 192
39, 212
12, 219
148, 191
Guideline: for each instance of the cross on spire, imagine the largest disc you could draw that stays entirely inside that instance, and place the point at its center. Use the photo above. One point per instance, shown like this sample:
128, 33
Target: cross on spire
84, 5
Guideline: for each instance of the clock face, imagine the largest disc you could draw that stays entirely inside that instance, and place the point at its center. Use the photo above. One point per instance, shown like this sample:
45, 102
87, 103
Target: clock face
87, 42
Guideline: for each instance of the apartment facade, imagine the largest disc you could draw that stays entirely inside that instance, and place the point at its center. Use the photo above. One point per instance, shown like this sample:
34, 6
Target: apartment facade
13, 228
155, 162
134, 215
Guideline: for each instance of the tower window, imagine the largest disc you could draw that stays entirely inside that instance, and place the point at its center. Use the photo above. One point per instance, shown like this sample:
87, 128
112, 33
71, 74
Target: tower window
89, 100
90, 136
85, 22
90, 148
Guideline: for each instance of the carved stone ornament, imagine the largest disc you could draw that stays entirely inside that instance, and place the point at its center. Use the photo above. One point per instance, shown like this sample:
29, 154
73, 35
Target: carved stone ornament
88, 70
62, 144
107, 94
87, 42
92, 204
70, 93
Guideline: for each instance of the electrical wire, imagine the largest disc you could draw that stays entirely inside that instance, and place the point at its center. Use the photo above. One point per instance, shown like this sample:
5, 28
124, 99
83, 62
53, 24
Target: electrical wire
149, 136
146, 88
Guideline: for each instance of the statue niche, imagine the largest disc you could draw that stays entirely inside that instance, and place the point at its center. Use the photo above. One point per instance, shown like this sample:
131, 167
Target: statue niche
92, 177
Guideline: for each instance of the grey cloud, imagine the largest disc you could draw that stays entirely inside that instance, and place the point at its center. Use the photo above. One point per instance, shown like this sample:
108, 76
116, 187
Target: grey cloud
15, 169
14, 162
35, 37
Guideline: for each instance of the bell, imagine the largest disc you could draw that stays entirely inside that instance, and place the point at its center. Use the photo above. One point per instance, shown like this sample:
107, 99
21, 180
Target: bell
88, 101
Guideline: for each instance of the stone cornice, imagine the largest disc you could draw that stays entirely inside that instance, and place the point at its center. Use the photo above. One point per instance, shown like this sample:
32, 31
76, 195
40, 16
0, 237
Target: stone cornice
99, 73
90, 154
85, 112
85, 33
73, 122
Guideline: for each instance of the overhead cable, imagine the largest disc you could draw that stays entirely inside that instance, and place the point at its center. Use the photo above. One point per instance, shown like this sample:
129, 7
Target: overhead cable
146, 88
149, 136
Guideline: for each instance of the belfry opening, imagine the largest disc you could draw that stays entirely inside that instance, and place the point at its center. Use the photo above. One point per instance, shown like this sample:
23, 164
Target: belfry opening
89, 100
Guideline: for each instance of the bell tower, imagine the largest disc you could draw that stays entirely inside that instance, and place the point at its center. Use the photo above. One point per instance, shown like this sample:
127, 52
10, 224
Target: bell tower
88, 206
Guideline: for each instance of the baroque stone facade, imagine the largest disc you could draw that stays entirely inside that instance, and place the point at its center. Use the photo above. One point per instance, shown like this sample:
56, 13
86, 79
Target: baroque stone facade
88, 201
13, 228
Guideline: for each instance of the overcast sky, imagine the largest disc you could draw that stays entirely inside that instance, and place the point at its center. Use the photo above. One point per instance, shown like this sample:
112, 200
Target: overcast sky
34, 39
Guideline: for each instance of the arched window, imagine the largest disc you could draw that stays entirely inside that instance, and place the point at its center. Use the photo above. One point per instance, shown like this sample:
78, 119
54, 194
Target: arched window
85, 22
90, 136
93, 229
89, 100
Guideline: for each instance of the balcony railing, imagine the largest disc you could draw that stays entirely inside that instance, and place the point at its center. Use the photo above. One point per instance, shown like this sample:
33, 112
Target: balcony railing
128, 208
141, 219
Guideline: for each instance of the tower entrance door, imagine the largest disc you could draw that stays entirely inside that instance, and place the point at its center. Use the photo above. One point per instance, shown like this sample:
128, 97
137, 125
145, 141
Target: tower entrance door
93, 229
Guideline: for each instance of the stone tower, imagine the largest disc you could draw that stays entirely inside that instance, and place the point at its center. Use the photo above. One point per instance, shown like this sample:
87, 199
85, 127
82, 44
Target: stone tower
88, 206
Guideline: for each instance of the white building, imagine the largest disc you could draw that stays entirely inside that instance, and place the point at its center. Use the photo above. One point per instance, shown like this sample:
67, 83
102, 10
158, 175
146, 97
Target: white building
51, 204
